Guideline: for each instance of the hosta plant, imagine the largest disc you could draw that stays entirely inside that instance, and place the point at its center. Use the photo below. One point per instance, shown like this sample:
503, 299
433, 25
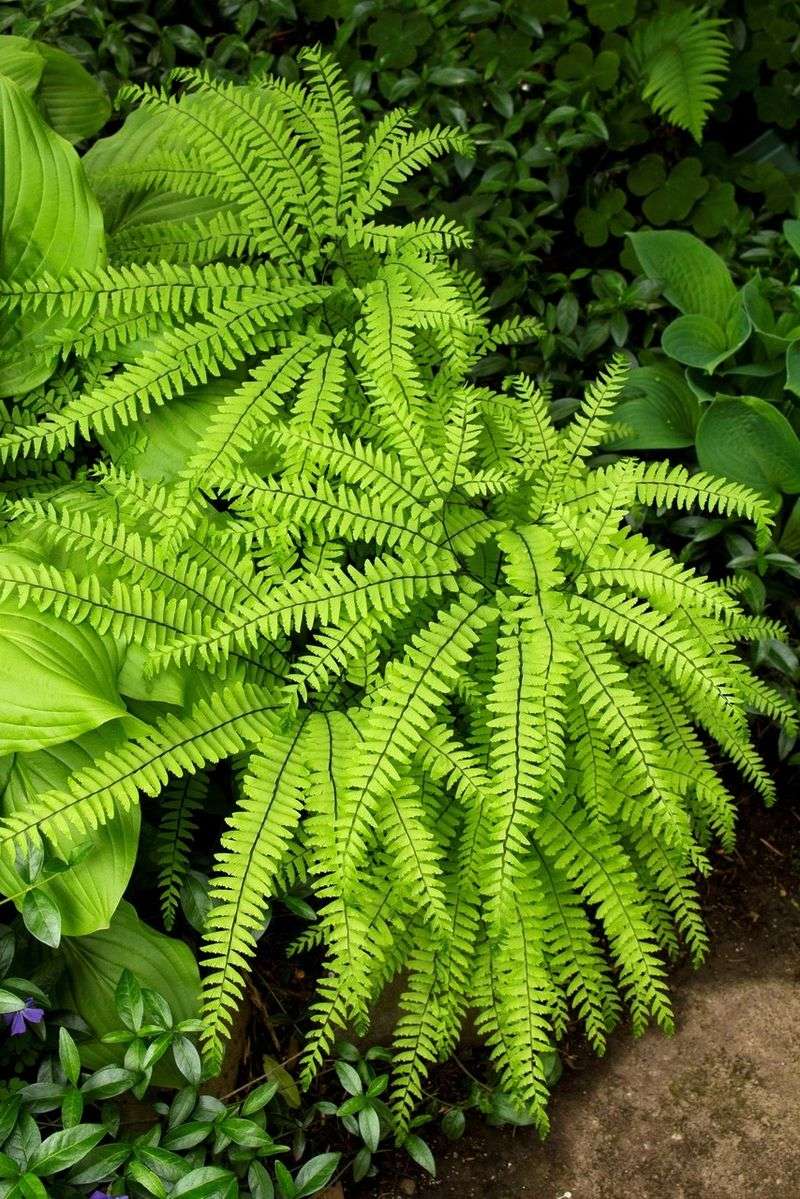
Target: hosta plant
463, 698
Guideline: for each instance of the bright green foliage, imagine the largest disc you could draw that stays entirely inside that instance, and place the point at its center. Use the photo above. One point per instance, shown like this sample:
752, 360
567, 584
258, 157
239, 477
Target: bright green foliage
473, 696
682, 56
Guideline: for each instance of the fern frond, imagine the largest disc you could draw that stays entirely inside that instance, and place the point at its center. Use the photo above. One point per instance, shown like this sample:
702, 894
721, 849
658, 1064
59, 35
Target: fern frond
177, 825
681, 58
215, 728
252, 848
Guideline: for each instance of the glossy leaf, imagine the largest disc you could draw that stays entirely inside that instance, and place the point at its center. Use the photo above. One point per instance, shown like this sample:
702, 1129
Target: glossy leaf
42, 918
64, 1149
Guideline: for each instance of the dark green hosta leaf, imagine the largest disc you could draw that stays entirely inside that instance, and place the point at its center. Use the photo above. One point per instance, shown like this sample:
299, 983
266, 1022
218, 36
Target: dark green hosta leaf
700, 341
659, 408
692, 276
749, 440
69, 98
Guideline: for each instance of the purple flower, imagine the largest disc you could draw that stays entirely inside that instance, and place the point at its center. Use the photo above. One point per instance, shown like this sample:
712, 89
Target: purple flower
105, 1195
27, 1014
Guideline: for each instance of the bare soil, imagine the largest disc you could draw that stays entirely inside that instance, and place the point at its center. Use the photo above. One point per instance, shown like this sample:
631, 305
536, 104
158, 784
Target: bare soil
710, 1113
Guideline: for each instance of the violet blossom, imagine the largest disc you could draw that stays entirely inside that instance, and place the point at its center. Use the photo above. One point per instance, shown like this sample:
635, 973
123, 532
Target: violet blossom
27, 1014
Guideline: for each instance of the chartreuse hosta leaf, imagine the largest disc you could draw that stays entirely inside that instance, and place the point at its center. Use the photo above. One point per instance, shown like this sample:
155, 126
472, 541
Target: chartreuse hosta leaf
57, 680
470, 706
93, 966
87, 887
71, 101
50, 223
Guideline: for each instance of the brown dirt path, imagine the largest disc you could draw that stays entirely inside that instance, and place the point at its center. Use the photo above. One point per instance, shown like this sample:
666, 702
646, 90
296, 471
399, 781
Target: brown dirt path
711, 1113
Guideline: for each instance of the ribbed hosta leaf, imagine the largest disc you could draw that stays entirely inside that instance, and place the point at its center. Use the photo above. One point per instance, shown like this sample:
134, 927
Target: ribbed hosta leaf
49, 223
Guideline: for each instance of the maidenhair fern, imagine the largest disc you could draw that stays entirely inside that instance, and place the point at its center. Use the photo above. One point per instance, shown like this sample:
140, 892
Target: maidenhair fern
478, 705
681, 57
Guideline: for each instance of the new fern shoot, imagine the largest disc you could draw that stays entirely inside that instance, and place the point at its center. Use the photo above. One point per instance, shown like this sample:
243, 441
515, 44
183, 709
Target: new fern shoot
466, 701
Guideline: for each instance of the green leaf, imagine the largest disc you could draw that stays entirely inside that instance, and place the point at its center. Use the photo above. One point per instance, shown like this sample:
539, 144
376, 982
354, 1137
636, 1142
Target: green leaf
453, 1123
64, 1149
100, 1163
259, 1182
659, 408
790, 534
369, 1126
49, 223
420, 1151
349, 1078
208, 1182
259, 1098
746, 439
87, 890
9, 1002
315, 1174
71, 100
94, 964
243, 1132
42, 918
70, 679
287, 1087
68, 1056
8, 1167
451, 76
129, 1001
361, 1164
698, 341
147, 1179
692, 276
286, 1187
30, 1187
793, 368
791, 231
107, 1082
187, 1059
